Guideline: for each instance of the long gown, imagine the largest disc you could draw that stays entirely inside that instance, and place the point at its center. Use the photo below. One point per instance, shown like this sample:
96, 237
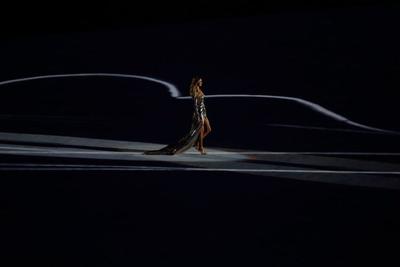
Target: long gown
191, 137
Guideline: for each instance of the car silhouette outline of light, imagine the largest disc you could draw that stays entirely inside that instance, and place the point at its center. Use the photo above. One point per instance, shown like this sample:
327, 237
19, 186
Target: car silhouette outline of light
175, 93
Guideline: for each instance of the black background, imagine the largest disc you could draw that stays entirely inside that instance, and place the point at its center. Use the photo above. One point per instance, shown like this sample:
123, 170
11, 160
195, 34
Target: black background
342, 55
39, 17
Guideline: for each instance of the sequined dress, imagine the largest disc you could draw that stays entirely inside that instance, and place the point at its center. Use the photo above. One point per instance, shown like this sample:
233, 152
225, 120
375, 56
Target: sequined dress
191, 137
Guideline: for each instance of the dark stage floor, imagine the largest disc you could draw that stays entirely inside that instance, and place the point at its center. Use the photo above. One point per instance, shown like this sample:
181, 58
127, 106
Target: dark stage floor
124, 218
100, 202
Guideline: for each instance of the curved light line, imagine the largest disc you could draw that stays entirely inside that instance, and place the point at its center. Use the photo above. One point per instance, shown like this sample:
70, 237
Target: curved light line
310, 105
46, 150
316, 128
172, 88
68, 167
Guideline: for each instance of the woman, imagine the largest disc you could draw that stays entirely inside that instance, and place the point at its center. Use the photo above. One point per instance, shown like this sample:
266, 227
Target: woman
200, 109
199, 129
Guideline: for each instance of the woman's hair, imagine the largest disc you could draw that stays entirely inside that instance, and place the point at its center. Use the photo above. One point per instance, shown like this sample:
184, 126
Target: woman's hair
195, 80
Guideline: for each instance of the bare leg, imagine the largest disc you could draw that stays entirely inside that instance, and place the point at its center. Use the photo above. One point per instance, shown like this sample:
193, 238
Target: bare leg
201, 140
207, 127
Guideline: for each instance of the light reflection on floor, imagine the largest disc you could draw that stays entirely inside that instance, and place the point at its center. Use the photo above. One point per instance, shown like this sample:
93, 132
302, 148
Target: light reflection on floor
319, 167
